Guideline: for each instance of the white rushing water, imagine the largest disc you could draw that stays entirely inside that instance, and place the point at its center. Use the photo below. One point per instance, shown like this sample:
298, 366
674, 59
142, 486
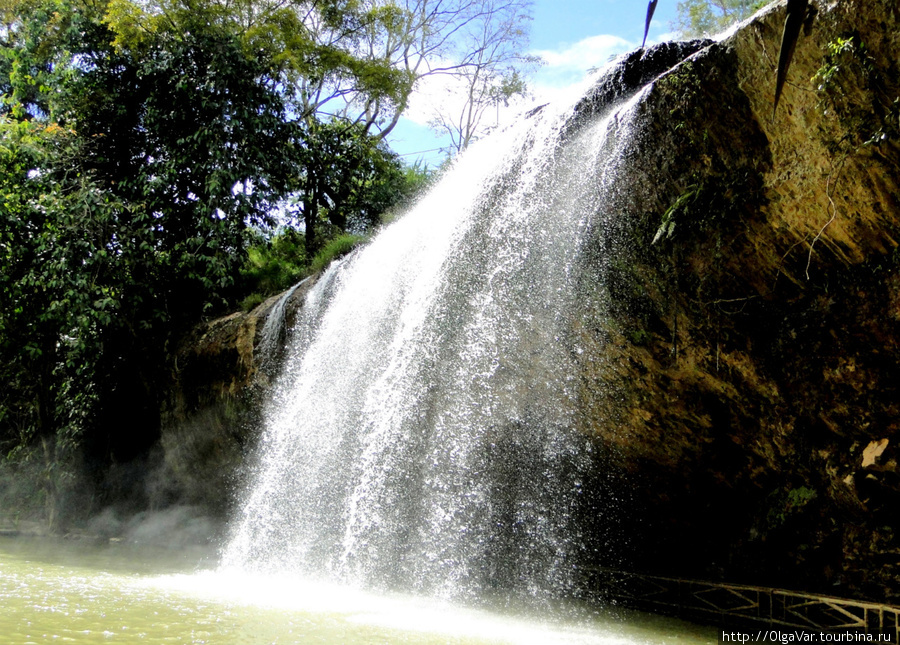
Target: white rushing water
421, 436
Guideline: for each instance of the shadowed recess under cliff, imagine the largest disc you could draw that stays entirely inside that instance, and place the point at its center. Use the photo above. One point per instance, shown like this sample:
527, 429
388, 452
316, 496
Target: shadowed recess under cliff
422, 433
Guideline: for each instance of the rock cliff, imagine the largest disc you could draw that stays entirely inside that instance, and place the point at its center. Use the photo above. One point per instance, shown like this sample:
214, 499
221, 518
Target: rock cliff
742, 322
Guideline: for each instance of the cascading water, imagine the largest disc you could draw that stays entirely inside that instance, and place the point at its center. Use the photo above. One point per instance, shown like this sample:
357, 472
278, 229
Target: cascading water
421, 436
272, 336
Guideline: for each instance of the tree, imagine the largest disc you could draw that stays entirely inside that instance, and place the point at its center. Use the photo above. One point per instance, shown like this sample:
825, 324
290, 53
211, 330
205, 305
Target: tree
359, 62
320, 52
129, 177
58, 284
318, 61
462, 39
478, 45
490, 70
135, 163
698, 18
346, 178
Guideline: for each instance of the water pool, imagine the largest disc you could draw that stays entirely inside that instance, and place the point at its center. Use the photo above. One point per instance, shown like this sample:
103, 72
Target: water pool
56, 591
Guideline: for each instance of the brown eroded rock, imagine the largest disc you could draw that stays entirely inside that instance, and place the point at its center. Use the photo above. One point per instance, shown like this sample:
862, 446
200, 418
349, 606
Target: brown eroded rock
740, 330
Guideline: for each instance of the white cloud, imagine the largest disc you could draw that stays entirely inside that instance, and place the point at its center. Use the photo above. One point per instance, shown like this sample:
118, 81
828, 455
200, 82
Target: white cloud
432, 92
664, 37
563, 67
570, 63
593, 51
447, 94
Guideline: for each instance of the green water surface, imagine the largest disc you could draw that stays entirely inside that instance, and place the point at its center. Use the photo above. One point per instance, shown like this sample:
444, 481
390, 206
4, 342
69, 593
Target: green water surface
57, 591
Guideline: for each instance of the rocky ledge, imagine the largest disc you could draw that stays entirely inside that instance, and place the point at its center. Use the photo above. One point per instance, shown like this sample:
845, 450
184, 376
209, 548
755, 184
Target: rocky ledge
211, 415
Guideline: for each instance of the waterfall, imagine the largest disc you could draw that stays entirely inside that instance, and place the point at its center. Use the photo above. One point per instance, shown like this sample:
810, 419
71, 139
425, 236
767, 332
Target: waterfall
272, 336
422, 433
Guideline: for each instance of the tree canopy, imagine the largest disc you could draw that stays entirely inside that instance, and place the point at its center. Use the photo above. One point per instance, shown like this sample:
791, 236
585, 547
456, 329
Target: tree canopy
708, 17
139, 151
490, 69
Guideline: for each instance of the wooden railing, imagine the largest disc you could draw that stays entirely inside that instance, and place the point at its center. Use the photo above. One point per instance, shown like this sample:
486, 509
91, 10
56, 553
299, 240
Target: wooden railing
743, 606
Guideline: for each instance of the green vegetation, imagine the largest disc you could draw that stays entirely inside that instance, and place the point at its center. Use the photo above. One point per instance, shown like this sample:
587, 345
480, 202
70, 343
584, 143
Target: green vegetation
698, 18
785, 505
273, 264
682, 206
852, 88
144, 154
705, 205
685, 89
336, 247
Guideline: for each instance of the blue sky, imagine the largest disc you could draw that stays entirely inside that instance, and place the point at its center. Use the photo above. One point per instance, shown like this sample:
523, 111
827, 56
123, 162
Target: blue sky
571, 36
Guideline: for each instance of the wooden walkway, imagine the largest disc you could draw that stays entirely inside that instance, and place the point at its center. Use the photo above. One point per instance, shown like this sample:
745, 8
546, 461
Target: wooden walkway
740, 606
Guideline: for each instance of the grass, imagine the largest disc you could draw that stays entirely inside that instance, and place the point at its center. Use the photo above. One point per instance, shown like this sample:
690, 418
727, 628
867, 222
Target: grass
335, 248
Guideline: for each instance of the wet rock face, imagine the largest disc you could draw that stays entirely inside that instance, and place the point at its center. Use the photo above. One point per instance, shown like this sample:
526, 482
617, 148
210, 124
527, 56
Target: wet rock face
211, 416
637, 69
741, 353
